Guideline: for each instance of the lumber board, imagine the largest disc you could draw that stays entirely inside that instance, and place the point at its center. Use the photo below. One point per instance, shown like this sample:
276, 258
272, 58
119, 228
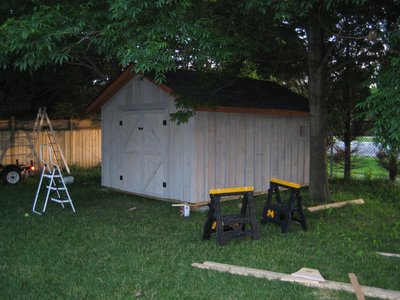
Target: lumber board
389, 254
356, 286
335, 205
270, 275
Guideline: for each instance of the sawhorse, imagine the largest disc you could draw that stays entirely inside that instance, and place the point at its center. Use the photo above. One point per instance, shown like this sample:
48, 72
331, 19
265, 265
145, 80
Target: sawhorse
282, 213
228, 227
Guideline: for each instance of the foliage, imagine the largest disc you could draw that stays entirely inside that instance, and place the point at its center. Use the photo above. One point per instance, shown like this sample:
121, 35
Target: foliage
389, 159
284, 39
65, 91
383, 106
108, 250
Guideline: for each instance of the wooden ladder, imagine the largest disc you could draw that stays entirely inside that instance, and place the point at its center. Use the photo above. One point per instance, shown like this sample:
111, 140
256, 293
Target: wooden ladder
43, 122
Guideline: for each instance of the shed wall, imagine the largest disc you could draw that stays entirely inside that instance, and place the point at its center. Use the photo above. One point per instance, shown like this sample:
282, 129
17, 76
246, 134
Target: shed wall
110, 164
247, 149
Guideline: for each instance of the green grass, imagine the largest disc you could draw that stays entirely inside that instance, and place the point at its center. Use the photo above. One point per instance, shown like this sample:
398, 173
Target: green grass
363, 167
365, 139
107, 251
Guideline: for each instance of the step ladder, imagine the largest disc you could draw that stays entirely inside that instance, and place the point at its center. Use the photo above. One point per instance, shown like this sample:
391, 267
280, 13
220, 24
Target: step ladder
229, 227
53, 182
280, 212
42, 122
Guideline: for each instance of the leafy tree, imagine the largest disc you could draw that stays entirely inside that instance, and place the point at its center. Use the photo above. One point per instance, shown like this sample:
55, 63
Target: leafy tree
318, 25
159, 36
65, 89
352, 63
383, 106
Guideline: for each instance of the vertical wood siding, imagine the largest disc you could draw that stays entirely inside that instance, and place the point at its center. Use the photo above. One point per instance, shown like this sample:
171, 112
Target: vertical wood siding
246, 149
80, 147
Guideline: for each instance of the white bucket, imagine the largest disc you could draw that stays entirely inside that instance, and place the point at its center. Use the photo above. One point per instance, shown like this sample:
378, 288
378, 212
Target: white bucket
184, 210
68, 179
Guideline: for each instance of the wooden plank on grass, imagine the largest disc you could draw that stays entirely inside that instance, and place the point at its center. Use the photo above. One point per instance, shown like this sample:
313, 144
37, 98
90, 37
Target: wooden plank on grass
356, 286
389, 254
334, 205
239, 270
269, 275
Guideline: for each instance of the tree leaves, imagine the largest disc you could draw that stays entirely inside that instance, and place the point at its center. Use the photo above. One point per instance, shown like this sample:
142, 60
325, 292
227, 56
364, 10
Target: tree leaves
383, 106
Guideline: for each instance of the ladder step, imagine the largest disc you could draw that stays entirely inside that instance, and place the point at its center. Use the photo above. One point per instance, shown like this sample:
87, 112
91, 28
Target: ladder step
51, 176
60, 200
53, 188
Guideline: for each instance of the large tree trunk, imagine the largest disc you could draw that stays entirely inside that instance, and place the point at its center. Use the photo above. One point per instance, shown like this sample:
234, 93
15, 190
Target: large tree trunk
317, 64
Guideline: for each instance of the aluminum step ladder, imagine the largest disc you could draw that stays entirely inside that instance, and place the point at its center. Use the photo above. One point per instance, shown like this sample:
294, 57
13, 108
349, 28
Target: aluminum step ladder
53, 182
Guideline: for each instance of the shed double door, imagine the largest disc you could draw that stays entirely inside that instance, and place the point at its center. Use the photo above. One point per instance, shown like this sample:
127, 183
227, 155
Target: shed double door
143, 154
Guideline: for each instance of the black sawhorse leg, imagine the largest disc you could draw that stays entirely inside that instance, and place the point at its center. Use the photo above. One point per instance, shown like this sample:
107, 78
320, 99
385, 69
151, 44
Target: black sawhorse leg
228, 227
282, 213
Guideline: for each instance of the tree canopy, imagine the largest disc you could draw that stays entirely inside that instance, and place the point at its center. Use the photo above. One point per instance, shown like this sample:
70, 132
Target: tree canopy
292, 41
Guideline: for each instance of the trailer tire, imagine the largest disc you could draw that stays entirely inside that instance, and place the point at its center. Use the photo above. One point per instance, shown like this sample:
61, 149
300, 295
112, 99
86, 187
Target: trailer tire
12, 175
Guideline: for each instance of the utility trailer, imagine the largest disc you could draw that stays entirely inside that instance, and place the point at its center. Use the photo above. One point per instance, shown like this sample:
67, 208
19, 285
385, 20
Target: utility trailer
17, 153
20, 146
13, 173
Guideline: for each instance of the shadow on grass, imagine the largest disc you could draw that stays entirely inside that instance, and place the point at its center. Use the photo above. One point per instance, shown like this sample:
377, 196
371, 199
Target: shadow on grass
108, 250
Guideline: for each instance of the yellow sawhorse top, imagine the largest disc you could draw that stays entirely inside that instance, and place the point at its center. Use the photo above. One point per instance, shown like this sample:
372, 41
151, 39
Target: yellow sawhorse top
242, 189
285, 183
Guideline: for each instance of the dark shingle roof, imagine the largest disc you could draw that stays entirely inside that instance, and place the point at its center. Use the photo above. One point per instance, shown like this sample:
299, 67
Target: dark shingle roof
214, 89
211, 89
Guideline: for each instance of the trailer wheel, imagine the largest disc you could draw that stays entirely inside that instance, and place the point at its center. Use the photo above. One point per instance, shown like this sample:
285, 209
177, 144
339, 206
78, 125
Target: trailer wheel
11, 175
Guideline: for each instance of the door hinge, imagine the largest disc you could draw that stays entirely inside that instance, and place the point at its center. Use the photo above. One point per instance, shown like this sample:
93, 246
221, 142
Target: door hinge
120, 123
164, 122
164, 184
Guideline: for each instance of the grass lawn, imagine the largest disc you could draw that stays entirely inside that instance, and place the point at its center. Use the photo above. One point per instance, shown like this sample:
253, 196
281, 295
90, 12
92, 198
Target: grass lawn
363, 167
108, 251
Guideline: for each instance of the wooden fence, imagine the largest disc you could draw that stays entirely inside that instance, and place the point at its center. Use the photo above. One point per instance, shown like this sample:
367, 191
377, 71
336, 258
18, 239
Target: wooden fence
80, 141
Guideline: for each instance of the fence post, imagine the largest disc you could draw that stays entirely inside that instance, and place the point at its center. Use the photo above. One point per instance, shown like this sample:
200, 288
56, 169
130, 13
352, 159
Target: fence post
331, 158
12, 136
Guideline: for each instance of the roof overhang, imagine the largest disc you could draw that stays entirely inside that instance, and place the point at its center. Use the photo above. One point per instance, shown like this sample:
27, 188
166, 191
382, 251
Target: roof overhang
128, 74
249, 110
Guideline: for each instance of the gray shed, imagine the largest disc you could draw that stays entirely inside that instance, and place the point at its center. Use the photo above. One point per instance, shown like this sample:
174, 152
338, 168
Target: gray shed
258, 131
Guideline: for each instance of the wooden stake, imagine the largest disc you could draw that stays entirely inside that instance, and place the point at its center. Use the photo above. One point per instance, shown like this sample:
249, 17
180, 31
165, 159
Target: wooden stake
269, 275
356, 286
334, 205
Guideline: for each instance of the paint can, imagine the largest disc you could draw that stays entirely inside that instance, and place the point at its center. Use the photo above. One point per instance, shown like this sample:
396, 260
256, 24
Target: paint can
184, 210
